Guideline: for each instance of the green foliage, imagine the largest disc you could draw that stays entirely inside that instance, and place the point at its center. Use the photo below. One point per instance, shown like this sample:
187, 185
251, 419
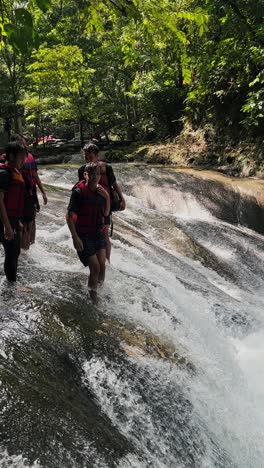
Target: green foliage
254, 105
130, 64
43, 5
17, 24
228, 61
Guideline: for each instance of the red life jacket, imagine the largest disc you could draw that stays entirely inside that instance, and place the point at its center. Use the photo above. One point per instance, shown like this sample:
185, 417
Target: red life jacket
30, 170
90, 218
15, 196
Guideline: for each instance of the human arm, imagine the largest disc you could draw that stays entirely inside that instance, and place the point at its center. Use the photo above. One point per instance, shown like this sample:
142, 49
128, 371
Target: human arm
113, 183
40, 186
77, 242
71, 211
8, 230
121, 197
106, 196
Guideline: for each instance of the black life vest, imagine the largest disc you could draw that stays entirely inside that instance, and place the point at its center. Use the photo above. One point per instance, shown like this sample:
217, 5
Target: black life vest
90, 217
14, 198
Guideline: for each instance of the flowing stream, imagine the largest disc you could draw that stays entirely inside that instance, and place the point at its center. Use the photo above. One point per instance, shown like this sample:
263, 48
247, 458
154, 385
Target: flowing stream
166, 371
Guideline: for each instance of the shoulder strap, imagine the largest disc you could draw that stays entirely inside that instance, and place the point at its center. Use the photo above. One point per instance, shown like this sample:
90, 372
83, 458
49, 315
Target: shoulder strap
77, 185
108, 174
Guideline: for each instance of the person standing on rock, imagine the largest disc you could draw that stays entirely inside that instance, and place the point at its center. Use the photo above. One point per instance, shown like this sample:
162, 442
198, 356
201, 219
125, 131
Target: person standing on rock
88, 206
12, 195
108, 181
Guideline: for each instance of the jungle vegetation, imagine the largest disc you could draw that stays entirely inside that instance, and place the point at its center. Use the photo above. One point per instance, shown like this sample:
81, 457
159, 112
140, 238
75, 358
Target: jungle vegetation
135, 68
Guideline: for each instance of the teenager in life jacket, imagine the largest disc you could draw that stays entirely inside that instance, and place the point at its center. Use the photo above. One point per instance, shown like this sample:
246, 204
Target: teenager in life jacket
30, 174
108, 181
88, 206
12, 193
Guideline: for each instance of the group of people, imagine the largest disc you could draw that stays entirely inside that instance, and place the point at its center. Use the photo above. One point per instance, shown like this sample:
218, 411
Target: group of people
18, 202
88, 215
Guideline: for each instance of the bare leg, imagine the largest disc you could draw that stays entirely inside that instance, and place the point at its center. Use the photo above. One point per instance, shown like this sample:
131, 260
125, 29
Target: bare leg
12, 252
93, 296
33, 232
25, 236
94, 268
108, 243
101, 257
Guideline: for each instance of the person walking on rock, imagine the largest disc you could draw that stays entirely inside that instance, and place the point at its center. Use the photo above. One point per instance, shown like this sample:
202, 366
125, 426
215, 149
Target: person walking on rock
12, 194
108, 181
30, 174
89, 204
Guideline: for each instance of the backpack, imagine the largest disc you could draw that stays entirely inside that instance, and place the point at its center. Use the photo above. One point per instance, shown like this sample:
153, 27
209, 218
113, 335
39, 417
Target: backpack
115, 200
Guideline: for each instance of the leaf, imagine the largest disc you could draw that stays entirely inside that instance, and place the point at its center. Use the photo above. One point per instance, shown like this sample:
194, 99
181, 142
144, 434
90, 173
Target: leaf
21, 36
201, 30
43, 5
168, 82
23, 18
9, 30
35, 38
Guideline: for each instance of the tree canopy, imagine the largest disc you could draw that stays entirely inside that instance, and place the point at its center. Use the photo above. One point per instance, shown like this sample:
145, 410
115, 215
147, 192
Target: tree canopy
132, 65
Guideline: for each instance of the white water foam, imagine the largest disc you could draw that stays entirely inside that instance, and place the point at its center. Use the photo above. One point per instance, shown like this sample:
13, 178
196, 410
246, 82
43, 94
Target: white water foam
226, 390
219, 394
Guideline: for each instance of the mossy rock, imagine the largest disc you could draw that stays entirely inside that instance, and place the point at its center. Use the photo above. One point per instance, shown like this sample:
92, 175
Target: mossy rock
137, 343
67, 158
116, 156
158, 158
140, 154
51, 160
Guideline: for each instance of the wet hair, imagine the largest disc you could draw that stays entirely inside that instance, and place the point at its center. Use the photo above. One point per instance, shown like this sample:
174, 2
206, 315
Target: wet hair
91, 168
14, 148
91, 147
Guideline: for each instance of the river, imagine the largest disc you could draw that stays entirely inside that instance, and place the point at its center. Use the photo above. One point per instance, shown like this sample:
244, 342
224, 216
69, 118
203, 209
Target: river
166, 371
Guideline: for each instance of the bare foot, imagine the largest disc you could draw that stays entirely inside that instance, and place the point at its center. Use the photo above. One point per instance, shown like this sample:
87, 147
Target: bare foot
93, 296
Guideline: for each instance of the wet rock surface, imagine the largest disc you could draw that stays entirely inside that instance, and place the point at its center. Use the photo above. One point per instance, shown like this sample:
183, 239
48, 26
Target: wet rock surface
150, 376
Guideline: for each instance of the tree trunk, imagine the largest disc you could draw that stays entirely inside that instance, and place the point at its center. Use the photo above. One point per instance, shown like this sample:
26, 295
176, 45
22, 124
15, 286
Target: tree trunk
42, 132
130, 132
105, 133
17, 120
81, 130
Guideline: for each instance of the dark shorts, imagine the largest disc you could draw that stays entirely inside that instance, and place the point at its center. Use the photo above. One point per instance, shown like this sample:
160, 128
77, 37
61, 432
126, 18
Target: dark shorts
90, 247
29, 209
107, 220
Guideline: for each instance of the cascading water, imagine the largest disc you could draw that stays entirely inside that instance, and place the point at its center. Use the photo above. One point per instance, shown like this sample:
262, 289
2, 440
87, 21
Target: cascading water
166, 371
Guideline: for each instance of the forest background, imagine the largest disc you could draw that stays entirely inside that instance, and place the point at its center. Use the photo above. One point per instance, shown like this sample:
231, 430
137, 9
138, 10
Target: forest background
186, 74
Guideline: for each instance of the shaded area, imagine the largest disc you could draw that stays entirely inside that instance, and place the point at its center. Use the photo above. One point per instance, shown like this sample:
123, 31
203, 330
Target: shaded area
48, 412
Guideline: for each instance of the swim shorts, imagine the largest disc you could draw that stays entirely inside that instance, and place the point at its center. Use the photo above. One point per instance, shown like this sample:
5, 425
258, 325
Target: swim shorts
91, 245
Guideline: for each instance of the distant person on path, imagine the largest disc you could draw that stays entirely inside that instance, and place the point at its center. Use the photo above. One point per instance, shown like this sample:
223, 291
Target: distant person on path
89, 204
108, 181
12, 193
